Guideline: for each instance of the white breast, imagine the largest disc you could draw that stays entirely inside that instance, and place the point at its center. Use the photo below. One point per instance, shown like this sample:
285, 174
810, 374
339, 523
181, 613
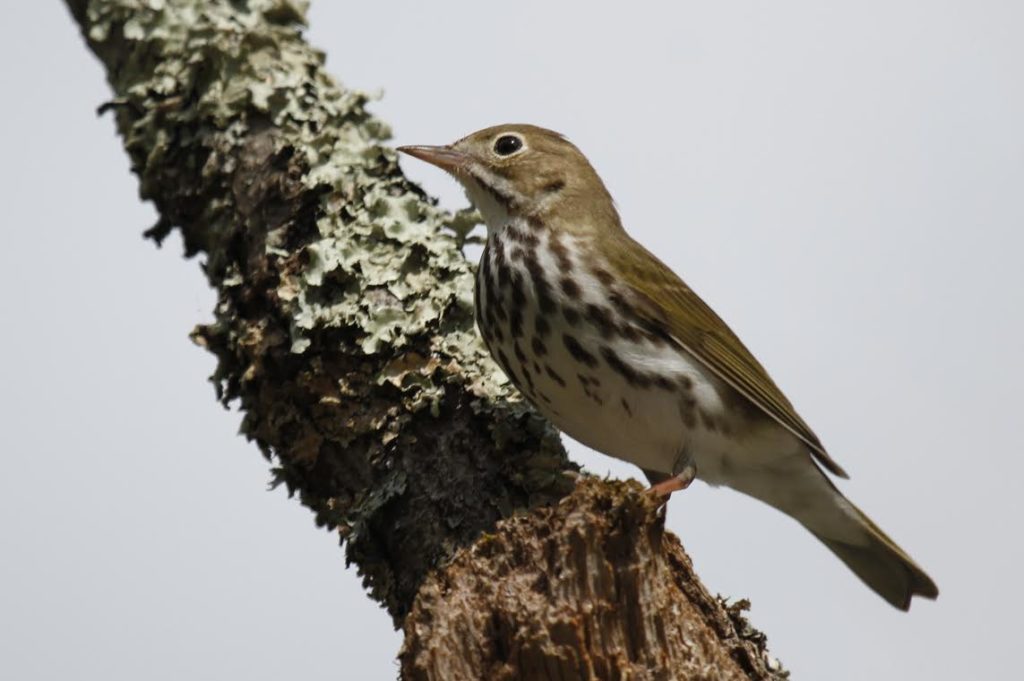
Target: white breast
587, 366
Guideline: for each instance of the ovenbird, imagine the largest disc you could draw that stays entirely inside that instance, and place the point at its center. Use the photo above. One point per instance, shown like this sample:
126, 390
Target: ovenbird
612, 347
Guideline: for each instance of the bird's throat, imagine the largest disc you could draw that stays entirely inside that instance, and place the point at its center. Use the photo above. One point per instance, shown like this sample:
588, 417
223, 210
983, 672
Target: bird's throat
497, 205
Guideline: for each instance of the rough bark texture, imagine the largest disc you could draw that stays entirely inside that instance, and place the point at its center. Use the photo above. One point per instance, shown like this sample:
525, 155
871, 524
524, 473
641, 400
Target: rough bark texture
590, 588
344, 332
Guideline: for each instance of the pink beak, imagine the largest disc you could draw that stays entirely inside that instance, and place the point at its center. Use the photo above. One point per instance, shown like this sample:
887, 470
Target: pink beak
445, 158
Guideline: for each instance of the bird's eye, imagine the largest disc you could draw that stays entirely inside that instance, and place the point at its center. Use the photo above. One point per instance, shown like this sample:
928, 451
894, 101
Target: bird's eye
506, 145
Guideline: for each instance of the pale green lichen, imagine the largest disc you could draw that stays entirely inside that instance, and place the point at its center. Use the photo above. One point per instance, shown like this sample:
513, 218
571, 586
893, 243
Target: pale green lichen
344, 324
396, 245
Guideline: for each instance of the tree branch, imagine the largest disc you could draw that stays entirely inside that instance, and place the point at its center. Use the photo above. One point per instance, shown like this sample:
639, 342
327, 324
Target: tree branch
344, 331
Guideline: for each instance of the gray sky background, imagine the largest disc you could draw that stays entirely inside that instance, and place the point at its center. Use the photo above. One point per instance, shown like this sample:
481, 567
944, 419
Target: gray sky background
843, 182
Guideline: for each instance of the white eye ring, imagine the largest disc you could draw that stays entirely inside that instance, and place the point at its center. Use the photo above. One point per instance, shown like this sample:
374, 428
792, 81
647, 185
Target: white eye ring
508, 144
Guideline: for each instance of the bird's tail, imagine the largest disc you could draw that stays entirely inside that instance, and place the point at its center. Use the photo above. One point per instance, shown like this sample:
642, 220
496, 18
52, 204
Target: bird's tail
797, 487
879, 561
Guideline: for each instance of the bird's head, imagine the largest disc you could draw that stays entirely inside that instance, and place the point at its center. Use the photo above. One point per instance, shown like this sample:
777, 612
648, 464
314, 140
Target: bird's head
523, 171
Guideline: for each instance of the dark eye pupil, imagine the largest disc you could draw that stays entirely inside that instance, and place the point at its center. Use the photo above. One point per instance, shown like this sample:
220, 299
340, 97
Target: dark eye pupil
507, 144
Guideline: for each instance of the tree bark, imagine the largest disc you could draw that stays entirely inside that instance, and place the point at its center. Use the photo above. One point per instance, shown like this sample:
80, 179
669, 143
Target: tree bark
344, 331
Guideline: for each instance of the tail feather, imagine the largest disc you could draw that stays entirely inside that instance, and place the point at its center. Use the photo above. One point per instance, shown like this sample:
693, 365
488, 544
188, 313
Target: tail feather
882, 565
797, 487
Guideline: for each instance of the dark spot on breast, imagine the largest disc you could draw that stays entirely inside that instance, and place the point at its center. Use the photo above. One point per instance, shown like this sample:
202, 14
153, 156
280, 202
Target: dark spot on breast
518, 254
518, 289
485, 264
621, 306
629, 332
634, 377
545, 302
538, 347
578, 352
560, 252
684, 382
601, 318
503, 361
520, 237
530, 390
535, 223
515, 322
541, 287
542, 326
571, 314
518, 352
533, 267
570, 287
603, 276
663, 382
525, 384
495, 308
589, 385
502, 270
554, 375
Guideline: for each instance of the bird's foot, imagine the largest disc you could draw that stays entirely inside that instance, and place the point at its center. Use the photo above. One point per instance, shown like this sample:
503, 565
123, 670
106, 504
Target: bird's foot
676, 483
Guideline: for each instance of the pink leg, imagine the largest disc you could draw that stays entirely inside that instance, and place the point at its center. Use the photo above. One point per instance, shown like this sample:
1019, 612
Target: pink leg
674, 484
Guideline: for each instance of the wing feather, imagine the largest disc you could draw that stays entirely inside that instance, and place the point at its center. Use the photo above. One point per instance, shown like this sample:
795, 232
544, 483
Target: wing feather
681, 313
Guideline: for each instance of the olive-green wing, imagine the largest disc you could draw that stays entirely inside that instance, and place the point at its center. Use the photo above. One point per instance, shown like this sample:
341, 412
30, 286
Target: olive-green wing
682, 314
